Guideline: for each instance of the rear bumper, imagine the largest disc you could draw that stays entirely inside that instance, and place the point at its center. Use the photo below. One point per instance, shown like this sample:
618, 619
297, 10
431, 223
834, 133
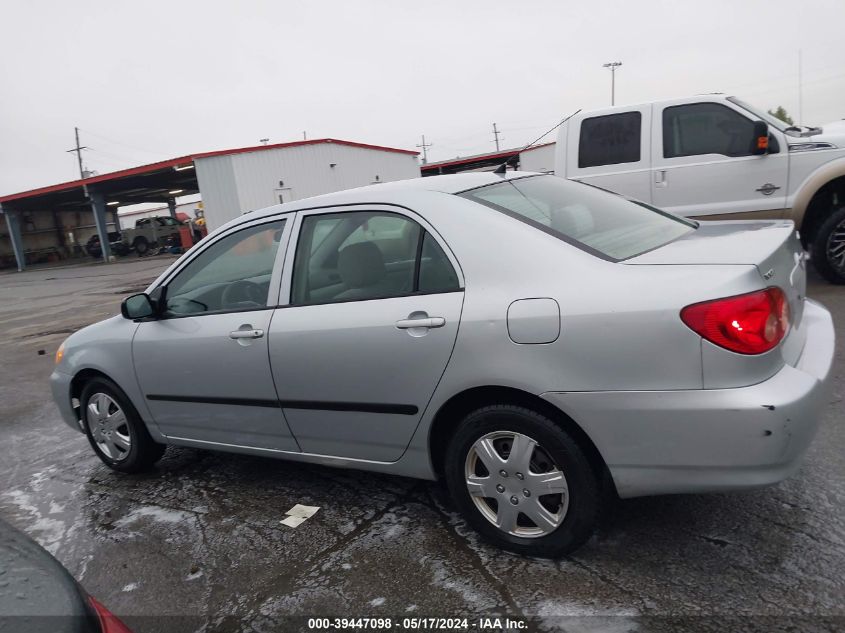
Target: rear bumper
663, 442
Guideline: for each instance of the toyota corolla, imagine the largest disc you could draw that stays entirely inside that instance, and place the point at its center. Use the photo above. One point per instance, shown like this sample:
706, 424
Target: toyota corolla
536, 343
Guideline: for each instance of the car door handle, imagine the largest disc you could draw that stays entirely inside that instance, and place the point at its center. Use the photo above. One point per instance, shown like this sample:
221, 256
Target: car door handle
428, 322
660, 178
246, 334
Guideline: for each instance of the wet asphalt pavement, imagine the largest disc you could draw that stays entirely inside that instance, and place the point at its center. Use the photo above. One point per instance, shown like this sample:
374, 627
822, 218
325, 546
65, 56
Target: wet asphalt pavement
197, 543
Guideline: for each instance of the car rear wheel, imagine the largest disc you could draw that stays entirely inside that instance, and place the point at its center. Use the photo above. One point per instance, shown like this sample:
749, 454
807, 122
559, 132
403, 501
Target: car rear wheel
115, 430
829, 247
522, 482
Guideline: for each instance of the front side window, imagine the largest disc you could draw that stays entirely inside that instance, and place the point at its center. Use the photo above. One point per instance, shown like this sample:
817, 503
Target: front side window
610, 139
600, 222
706, 128
232, 274
366, 255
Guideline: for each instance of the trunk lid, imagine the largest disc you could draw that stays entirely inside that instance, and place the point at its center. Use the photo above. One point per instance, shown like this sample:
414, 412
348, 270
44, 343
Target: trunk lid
771, 245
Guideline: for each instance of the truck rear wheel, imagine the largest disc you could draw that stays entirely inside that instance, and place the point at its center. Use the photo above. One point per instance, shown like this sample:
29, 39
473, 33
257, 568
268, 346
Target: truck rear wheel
141, 246
829, 247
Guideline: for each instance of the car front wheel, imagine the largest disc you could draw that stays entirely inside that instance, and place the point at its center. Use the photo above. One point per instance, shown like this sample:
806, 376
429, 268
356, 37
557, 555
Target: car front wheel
115, 430
522, 482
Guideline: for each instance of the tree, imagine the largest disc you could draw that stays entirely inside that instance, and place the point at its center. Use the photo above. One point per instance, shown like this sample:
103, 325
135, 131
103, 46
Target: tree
782, 114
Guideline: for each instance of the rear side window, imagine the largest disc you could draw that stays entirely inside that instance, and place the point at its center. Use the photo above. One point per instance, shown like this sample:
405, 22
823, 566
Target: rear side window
610, 140
358, 256
706, 128
597, 221
436, 271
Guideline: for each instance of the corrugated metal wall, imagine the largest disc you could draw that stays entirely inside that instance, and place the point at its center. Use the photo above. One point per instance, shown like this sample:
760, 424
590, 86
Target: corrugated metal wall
540, 159
233, 184
216, 179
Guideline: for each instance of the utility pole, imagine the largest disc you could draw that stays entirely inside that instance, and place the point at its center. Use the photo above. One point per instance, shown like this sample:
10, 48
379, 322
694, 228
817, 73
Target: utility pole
800, 90
78, 149
496, 136
613, 66
425, 147
304, 136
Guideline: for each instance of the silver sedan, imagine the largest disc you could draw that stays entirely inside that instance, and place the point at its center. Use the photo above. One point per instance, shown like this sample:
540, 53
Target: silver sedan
539, 344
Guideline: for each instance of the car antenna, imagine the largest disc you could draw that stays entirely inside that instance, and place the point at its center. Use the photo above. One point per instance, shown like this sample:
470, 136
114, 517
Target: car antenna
503, 168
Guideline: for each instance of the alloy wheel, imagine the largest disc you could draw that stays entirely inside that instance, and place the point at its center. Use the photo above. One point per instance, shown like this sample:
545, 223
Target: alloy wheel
836, 247
109, 426
516, 485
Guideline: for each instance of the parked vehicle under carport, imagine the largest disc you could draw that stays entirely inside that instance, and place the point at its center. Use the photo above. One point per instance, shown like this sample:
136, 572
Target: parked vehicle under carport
116, 244
150, 232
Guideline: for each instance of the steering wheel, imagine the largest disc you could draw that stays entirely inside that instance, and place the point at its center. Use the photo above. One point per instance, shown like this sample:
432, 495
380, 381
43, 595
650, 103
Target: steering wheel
242, 291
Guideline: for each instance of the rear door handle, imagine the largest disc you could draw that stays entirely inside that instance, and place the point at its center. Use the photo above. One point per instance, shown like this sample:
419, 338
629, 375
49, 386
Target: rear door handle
246, 334
660, 178
428, 322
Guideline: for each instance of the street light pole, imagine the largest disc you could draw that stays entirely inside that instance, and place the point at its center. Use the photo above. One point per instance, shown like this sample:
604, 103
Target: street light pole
613, 66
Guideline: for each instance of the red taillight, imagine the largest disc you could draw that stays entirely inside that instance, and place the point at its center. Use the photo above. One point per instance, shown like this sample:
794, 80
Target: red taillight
109, 622
747, 324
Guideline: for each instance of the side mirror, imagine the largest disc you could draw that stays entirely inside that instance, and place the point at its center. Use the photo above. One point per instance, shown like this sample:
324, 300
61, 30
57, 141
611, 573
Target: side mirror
137, 307
760, 142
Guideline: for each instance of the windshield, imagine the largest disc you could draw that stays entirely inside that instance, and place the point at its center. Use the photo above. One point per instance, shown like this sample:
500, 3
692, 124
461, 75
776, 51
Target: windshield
763, 116
602, 223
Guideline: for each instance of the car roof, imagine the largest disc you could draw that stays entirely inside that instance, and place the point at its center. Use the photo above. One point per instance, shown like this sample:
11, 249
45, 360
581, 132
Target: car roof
396, 191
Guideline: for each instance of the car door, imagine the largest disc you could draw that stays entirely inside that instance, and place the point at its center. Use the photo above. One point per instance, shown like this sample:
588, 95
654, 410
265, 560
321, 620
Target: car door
373, 307
203, 366
703, 163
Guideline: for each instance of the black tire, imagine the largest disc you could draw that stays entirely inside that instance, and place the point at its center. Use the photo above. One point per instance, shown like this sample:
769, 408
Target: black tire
141, 245
584, 499
826, 264
142, 452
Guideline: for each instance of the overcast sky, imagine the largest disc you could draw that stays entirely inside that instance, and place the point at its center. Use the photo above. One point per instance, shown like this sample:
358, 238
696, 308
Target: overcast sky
151, 80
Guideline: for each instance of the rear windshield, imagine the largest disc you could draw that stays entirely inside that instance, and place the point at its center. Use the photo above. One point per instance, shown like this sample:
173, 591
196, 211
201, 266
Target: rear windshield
602, 223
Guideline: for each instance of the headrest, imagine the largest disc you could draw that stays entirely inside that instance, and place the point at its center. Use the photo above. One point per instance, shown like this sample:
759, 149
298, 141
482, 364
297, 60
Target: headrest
361, 265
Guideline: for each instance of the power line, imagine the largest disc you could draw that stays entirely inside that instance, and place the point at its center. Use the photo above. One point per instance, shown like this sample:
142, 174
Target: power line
114, 157
124, 144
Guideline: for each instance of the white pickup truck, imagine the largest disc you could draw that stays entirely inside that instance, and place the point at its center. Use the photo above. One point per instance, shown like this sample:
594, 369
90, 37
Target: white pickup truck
715, 157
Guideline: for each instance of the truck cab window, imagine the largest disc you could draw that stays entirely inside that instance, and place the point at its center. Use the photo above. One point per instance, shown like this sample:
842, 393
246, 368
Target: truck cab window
610, 140
705, 128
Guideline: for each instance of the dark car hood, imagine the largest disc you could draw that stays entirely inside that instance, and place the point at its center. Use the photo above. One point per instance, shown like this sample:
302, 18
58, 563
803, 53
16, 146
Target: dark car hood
36, 592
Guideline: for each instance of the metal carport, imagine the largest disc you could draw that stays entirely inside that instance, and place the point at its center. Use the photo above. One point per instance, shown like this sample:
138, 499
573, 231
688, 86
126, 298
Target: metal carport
155, 183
